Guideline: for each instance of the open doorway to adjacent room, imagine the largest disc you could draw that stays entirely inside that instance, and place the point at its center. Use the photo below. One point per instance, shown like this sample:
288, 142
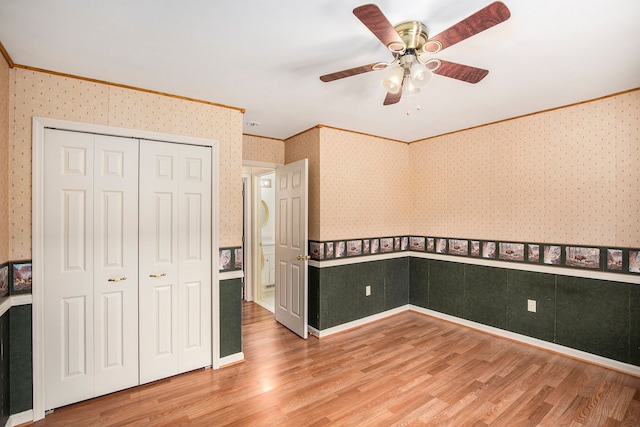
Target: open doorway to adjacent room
258, 181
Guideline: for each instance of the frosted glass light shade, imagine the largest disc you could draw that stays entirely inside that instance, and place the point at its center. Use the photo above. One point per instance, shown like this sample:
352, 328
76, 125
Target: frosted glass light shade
420, 75
409, 88
392, 82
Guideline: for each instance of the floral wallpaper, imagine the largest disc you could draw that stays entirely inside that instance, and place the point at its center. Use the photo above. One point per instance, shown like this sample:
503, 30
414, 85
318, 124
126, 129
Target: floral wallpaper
365, 187
4, 160
48, 95
307, 145
262, 149
569, 175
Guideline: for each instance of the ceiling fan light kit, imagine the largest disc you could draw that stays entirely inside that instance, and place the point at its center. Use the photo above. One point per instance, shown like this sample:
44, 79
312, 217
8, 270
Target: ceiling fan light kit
412, 49
392, 82
407, 72
409, 88
420, 75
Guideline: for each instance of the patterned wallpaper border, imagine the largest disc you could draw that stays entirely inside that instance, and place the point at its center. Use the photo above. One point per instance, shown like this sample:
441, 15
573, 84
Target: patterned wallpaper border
609, 259
15, 278
231, 258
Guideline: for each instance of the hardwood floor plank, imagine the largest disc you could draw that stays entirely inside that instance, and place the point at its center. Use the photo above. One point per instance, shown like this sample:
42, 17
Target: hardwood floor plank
632, 414
408, 369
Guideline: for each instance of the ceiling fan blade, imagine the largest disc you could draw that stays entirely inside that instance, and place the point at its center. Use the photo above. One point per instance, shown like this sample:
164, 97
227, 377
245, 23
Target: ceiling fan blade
483, 19
350, 72
392, 98
373, 18
466, 73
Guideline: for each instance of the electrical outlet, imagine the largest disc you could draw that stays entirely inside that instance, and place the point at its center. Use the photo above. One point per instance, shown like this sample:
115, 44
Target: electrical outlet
367, 290
531, 305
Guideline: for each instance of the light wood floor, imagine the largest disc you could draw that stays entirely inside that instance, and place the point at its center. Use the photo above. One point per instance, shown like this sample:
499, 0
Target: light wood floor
409, 369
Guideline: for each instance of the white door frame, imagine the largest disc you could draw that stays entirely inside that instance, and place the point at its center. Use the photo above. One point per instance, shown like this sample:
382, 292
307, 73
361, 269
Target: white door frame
37, 196
247, 234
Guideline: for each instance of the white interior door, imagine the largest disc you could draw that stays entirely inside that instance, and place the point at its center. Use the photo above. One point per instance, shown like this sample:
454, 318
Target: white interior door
291, 246
194, 258
68, 267
175, 259
115, 277
158, 273
90, 195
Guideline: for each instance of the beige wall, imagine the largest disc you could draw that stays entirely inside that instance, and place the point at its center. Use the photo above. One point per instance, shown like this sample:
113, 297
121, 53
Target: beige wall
359, 184
307, 145
4, 160
48, 95
262, 149
570, 175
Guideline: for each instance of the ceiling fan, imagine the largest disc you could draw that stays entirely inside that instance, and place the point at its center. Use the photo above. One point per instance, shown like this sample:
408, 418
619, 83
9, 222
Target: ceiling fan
411, 47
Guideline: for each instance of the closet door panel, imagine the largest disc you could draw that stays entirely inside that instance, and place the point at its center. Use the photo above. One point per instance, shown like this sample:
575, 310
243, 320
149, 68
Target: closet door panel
194, 258
115, 263
68, 267
158, 272
175, 259
193, 336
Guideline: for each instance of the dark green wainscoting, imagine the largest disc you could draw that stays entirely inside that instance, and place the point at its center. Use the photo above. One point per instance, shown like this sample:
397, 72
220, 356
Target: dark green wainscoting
337, 294
593, 315
4, 370
21, 368
21, 365
16, 372
230, 317
634, 325
596, 316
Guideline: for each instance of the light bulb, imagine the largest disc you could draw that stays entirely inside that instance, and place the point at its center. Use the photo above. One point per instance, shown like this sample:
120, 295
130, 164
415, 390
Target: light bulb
420, 75
393, 81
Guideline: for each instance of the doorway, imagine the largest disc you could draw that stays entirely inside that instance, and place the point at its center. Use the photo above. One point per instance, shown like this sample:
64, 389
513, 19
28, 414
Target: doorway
259, 233
277, 261
266, 277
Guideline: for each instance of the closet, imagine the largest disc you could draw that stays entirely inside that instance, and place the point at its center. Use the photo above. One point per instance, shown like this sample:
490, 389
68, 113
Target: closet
127, 262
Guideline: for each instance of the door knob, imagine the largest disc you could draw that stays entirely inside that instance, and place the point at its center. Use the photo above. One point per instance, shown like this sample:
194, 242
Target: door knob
117, 279
155, 276
302, 257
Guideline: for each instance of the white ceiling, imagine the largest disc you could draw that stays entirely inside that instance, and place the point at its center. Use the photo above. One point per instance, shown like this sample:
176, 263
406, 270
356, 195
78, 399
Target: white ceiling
266, 57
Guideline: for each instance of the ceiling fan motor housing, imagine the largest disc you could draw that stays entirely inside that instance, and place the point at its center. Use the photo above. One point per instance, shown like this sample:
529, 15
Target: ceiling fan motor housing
414, 34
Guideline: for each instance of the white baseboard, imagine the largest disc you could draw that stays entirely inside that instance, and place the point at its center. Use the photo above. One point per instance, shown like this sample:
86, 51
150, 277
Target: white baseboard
232, 358
556, 348
355, 323
21, 418
15, 300
229, 275
265, 305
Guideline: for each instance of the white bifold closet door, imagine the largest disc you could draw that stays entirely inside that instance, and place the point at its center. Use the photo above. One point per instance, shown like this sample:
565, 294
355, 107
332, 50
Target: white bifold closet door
127, 265
175, 259
91, 265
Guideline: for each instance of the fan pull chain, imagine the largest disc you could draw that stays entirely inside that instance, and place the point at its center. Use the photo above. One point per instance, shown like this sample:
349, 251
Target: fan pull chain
417, 109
